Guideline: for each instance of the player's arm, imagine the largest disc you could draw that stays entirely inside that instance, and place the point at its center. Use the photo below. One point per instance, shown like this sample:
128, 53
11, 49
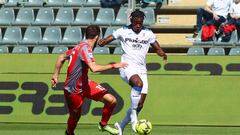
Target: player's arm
94, 67
159, 51
106, 40
60, 61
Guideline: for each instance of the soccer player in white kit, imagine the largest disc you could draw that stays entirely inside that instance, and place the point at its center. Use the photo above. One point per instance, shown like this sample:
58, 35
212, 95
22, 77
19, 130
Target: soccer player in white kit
135, 41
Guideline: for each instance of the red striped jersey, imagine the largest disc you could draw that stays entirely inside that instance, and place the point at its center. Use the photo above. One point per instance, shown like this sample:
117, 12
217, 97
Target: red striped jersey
77, 74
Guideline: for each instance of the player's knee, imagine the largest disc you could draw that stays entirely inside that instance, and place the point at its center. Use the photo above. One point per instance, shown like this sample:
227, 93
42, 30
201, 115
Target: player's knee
114, 101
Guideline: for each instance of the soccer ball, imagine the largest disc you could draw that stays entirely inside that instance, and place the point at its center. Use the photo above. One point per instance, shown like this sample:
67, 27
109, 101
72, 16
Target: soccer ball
143, 127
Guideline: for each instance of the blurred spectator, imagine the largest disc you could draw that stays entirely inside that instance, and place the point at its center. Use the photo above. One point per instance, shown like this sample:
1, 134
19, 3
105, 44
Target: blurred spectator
235, 14
215, 12
2, 2
110, 3
145, 3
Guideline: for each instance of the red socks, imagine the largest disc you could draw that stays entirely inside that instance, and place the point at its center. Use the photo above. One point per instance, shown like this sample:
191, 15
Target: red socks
106, 114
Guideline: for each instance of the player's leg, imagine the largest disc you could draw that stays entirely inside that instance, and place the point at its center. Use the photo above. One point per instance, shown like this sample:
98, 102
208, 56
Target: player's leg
74, 103
99, 93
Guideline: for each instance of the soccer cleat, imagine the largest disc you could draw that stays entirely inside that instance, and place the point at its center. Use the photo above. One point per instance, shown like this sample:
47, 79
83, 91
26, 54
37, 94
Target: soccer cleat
109, 129
117, 125
134, 123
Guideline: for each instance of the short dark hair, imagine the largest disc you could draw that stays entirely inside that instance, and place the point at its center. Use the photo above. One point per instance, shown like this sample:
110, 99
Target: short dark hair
92, 31
137, 14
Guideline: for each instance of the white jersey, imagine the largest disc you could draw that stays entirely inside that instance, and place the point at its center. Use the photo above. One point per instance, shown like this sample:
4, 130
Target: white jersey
135, 46
220, 7
235, 9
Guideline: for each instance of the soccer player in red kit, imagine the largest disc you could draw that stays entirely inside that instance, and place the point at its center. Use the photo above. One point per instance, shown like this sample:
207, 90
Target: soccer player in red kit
77, 85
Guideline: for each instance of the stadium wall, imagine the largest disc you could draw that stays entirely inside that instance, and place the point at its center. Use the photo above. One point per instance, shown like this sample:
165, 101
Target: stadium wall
188, 90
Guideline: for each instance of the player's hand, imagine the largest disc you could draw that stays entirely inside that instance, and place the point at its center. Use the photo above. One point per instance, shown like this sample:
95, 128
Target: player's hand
165, 59
215, 16
101, 42
54, 80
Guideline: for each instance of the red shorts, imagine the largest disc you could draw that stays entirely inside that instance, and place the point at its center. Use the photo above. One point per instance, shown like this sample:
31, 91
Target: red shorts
93, 91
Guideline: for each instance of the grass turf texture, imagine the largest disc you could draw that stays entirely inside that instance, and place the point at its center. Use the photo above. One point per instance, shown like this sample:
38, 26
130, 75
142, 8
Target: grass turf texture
175, 97
83, 129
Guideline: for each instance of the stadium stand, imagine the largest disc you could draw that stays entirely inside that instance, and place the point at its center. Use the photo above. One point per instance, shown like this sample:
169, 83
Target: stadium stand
7, 16
32, 36
25, 16
216, 51
92, 3
74, 3
101, 50
105, 16
231, 42
45, 16
72, 36
40, 49
121, 18
59, 49
20, 49
118, 50
11, 3
195, 51
52, 36
12, 36
87, 14
234, 51
55, 3
108, 32
4, 49
34, 3
64, 16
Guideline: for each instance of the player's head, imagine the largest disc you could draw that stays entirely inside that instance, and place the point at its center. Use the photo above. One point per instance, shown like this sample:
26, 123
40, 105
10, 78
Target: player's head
136, 19
93, 33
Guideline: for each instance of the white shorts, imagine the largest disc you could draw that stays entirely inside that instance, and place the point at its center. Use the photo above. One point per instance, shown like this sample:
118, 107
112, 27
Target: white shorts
127, 72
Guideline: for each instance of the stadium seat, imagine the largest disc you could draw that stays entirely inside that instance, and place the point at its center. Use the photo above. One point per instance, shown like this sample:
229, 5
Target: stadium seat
101, 50
20, 49
12, 35
105, 16
216, 51
118, 50
40, 49
87, 14
52, 36
74, 3
121, 18
11, 3
72, 36
198, 40
64, 16
92, 3
108, 32
4, 49
32, 36
55, 3
195, 51
231, 42
149, 16
45, 16
25, 16
1, 35
59, 49
234, 51
34, 3
7, 16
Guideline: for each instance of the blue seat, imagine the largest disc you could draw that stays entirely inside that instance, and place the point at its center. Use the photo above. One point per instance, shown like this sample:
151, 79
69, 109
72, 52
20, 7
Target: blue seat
101, 50
55, 3
1, 35
12, 36
4, 49
52, 36
108, 32
72, 36
11, 3
20, 49
40, 49
195, 51
216, 51
234, 51
149, 16
118, 50
45, 16
105, 16
84, 16
7, 16
92, 3
59, 49
121, 18
231, 42
35, 3
25, 16
32, 36
74, 3
64, 16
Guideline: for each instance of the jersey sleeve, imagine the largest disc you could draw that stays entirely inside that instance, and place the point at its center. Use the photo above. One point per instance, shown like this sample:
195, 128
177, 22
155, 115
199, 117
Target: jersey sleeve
87, 55
152, 38
117, 34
